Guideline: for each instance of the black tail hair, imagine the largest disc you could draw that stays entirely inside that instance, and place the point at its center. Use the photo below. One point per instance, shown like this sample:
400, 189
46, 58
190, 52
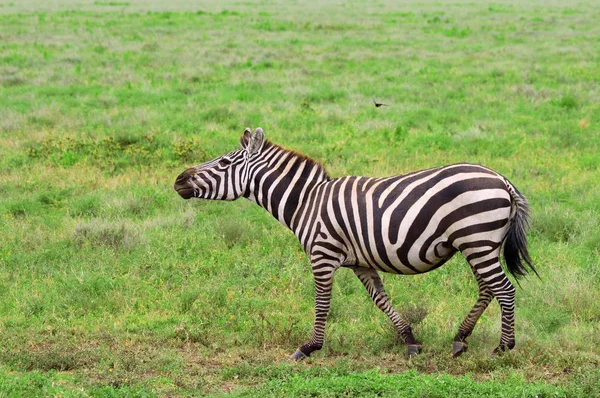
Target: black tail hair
516, 256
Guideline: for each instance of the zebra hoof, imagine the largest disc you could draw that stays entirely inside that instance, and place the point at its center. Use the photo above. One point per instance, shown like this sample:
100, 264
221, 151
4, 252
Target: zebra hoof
498, 351
298, 356
413, 350
458, 348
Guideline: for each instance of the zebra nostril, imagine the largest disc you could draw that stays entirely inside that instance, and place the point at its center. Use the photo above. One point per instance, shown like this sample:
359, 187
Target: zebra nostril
186, 175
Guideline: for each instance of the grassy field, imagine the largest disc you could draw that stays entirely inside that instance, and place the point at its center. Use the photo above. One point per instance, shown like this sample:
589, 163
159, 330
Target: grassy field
111, 285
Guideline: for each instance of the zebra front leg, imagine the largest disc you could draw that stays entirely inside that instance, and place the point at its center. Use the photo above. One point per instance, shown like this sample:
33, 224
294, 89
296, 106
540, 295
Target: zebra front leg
323, 274
466, 327
372, 282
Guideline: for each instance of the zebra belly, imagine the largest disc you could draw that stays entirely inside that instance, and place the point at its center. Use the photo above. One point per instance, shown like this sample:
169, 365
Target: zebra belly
408, 263
385, 257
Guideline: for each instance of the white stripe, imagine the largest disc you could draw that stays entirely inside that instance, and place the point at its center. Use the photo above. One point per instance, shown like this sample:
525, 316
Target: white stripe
459, 201
282, 175
286, 194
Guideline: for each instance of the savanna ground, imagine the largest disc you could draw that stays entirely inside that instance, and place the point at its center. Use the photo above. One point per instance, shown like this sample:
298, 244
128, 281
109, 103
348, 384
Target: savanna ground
112, 285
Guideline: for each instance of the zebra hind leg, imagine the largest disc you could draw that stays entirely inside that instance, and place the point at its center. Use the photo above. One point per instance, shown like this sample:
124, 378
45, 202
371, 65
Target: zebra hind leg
487, 266
372, 282
465, 329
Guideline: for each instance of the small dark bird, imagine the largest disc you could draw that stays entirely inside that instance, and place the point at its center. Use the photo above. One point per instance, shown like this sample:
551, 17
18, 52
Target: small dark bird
377, 104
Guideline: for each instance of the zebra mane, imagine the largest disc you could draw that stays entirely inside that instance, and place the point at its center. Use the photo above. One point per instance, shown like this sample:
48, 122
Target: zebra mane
309, 161
268, 144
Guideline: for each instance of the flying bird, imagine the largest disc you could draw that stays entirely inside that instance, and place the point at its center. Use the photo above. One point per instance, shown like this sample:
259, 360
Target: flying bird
377, 104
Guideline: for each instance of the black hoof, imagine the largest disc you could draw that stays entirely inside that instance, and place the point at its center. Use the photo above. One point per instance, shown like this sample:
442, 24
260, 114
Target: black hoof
498, 351
298, 356
458, 348
502, 348
413, 349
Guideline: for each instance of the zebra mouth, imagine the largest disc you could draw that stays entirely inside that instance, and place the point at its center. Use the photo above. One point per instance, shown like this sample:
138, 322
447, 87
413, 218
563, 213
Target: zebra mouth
184, 192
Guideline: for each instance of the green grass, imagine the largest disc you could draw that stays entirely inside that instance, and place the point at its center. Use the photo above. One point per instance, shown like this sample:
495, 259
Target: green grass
112, 285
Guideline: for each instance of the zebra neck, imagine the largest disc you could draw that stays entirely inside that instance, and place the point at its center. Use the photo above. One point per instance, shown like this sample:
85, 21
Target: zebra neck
283, 183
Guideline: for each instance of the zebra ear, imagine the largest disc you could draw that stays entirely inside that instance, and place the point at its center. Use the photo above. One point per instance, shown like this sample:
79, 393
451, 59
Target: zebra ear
245, 138
256, 141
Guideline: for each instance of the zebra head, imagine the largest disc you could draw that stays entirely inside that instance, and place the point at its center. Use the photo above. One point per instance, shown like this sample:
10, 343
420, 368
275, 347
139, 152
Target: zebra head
223, 178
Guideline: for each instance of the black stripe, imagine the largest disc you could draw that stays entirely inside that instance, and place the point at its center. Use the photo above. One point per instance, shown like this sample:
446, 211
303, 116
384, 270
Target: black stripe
353, 230
362, 189
282, 186
477, 228
470, 230
294, 197
417, 192
337, 214
477, 243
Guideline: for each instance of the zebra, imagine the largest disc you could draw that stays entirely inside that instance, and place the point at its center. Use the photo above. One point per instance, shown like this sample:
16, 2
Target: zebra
405, 224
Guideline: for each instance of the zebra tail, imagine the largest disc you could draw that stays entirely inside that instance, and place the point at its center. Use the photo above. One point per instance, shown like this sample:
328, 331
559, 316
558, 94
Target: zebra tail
516, 256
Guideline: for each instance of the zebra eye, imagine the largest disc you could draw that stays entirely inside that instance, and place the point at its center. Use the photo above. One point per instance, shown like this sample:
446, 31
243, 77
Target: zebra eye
224, 162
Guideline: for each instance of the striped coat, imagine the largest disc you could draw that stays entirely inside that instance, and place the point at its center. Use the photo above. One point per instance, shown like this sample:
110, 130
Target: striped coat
406, 224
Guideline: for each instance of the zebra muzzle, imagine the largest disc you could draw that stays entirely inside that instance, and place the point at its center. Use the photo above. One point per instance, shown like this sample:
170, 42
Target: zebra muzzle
182, 185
